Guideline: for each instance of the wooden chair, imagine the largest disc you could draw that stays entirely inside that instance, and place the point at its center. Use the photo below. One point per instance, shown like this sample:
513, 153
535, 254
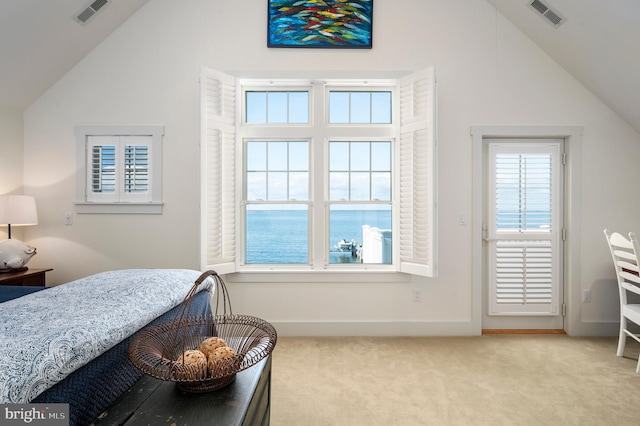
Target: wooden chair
625, 253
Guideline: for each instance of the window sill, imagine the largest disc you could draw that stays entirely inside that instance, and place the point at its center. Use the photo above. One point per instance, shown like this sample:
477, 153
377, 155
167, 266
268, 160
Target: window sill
308, 275
118, 208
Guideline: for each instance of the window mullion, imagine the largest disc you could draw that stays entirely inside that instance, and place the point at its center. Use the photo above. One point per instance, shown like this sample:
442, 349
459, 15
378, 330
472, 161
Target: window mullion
288, 170
119, 177
370, 106
371, 172
318, 221
267, 170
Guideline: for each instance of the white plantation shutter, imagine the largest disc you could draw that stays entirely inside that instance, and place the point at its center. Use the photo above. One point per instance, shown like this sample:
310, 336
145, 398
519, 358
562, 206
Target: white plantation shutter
417, 171
136, 167
218, 157
524, 272
119, 168
101, 162
524, 238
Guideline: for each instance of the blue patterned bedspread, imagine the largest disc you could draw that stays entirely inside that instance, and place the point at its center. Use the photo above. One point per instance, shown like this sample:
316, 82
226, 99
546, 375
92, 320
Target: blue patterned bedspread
47, 335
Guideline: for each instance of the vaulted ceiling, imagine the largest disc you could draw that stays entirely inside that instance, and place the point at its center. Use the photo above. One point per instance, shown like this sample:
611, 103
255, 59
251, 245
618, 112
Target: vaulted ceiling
40, 41
598, 43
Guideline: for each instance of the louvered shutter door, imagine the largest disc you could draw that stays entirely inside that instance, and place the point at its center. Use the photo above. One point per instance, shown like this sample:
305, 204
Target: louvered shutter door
417, 174
218, 148
524, 240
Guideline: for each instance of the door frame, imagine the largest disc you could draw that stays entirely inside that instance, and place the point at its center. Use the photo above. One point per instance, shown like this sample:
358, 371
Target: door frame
572, 136
534, 316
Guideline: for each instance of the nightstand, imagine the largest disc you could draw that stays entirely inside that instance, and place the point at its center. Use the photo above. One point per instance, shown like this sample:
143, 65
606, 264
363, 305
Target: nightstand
30, 277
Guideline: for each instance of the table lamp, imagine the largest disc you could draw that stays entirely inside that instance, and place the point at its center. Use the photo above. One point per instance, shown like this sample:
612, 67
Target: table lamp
16, 210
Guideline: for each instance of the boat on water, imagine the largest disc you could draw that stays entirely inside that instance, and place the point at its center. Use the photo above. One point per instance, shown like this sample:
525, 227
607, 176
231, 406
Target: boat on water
347, 245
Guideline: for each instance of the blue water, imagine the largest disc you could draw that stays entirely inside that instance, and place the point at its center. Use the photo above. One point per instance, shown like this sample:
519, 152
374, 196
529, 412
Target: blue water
281, 236
529, 220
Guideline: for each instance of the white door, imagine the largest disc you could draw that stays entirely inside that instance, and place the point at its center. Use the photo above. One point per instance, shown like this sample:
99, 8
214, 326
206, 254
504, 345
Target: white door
523, 234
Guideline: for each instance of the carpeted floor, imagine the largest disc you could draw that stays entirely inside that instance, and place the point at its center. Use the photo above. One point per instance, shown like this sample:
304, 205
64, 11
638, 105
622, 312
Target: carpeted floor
488, 380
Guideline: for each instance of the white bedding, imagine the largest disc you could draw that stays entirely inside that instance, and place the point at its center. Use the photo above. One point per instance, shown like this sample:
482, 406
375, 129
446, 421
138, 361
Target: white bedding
47, 335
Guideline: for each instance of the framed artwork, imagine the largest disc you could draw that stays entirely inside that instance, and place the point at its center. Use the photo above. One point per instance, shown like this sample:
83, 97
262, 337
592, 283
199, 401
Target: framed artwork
320, 23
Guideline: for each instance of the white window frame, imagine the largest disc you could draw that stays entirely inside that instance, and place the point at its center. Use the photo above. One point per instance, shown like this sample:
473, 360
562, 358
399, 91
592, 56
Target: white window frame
119, 202
353, 132
414, 156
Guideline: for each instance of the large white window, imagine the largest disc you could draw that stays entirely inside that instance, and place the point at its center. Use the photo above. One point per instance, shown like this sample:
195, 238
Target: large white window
319, 175
120, 169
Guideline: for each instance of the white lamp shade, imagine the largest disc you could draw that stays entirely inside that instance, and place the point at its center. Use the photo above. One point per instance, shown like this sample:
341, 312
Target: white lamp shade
18, 210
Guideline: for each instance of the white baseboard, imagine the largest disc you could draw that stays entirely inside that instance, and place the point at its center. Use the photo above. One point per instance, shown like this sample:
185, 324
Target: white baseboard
412, 328
595, 329
373, 328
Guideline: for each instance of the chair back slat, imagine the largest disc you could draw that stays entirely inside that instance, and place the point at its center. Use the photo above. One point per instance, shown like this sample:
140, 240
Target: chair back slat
630, 277
631, 287
625, 254
623, 264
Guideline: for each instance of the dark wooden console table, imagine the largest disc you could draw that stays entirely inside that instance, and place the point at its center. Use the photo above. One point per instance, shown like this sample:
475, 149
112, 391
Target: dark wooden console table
150, 401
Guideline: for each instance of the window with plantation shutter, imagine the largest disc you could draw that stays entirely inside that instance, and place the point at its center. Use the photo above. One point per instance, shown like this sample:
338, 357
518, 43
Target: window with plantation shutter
120, 169
523, 235
319, 151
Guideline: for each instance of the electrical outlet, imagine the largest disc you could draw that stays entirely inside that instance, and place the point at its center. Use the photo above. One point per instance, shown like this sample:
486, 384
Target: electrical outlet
68, 218
417, 295
586, 295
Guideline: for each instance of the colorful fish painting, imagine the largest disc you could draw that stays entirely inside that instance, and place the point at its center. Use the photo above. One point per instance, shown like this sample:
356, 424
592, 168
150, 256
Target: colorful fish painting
320, 23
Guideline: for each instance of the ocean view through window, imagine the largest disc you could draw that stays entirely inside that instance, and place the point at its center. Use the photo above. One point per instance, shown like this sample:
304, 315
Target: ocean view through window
280, 223
280, 236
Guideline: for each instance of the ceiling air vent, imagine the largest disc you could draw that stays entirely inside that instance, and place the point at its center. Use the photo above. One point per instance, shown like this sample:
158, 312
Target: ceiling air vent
89, 10
550, 15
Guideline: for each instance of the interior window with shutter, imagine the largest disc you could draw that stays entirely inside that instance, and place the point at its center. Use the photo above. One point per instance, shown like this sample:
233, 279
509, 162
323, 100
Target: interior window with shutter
120, 169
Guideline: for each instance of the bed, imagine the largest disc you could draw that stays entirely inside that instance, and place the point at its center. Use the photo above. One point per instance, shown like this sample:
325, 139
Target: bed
69, 344
8, 292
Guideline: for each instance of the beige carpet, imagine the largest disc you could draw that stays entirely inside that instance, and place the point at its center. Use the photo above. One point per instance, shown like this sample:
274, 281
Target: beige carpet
488, 380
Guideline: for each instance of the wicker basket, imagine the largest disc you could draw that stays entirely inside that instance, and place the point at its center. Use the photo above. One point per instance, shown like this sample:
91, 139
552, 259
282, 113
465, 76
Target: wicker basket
155, 349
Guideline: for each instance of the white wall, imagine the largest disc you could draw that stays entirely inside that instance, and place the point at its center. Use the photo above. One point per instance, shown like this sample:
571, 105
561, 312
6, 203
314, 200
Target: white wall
11, 159
489, 74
